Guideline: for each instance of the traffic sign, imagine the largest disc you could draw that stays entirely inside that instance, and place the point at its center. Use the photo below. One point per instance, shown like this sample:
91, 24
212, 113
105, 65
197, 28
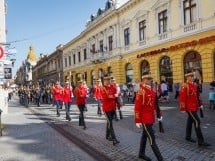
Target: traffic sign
1, 52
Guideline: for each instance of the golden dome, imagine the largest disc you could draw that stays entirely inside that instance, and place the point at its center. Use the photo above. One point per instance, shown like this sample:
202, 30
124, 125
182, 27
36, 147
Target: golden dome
31, 55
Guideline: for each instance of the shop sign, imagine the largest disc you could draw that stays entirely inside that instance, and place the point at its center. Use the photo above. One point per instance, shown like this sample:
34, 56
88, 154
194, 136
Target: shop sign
178, 46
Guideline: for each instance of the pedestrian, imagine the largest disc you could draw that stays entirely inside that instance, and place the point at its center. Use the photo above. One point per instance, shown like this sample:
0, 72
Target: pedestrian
67, 99
144, 109
177, 89
97, 95
81, 94
135, 87
109, 108
189, 102
57, 95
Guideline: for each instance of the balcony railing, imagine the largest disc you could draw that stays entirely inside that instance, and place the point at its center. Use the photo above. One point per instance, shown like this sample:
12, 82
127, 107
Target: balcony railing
99, 57
162, 36
190, 27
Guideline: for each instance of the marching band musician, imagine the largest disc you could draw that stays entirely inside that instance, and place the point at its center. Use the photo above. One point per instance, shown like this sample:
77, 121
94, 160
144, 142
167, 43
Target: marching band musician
97, 95
189, 102
81, 94
145, 107
109, 107
57, 95
67, 99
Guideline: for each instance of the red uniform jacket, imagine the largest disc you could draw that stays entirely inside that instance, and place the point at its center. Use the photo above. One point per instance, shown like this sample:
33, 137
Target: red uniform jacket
57, 93
188, 97
97, 92
67, 94
81, 94
145, 105
108, 98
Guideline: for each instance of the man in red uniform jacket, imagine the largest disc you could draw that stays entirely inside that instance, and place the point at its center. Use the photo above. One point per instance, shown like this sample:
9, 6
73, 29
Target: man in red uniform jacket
97, 95
145, 107
189, 102
67, 99
109, 107
57, 95
81, 94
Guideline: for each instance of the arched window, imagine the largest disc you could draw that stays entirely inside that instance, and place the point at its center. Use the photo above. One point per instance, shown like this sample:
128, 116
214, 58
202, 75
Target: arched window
166, 71
145, 68
192, 63
129, 73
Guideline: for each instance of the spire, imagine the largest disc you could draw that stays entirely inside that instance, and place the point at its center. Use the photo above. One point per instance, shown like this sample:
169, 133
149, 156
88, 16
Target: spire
31, 55
31, 58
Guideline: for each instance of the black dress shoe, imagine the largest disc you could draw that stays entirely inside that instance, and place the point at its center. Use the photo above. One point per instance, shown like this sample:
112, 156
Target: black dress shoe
109, 138
191, 140
144, 157
115, 142
204, 144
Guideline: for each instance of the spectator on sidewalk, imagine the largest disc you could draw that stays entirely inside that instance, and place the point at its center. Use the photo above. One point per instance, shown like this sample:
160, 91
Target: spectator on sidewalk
177, 89
144, 109
189, 102
136, 86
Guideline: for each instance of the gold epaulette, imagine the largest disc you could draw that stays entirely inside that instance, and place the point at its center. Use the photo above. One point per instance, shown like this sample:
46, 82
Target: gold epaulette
140, 92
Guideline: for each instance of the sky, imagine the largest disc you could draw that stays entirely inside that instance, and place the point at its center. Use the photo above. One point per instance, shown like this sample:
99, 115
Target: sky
44, 24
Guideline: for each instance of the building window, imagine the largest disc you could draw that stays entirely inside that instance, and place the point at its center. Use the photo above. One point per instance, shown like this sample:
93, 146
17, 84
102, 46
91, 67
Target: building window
162, 21
166, 73
145, 68
70, 61
127, 36
65, 61
85, 54
142, 30
73, 58
192, 63
79, 56
93, 50
101, 46
129, 73
110, 43
189, 7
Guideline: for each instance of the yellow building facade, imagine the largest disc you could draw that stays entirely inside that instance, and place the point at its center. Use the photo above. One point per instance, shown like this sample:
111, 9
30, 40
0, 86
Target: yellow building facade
166, 38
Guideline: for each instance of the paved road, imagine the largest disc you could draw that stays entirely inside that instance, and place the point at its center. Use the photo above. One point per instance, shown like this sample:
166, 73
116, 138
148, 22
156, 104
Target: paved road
171, 143
27, 138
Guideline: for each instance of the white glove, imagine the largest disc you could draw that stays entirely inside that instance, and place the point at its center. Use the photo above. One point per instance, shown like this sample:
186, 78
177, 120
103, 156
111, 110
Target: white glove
202, 107
160, 119
139, 125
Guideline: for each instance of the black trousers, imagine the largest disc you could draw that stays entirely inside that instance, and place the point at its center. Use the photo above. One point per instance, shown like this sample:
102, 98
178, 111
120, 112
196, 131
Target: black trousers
193, 118
81, 115
148, 133
109, 127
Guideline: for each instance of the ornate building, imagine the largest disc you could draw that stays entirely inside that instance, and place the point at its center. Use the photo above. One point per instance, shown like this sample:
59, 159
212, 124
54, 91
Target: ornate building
49, 68
165, 37
24, 73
